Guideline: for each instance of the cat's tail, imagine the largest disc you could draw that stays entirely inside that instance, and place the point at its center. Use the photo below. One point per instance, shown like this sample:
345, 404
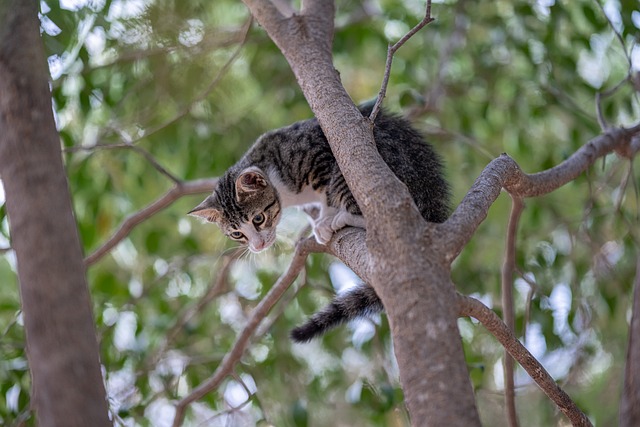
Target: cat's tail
357, 302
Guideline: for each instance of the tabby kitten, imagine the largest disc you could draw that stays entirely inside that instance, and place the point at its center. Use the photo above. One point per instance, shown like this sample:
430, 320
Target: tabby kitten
294, 166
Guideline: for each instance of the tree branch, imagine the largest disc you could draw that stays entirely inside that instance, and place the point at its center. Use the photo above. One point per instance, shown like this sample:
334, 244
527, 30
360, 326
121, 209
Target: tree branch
508, 313
303, 248
505, 172
391, 51
470, 213
629, 408
473, 308
423, 320
178, 190
616, 139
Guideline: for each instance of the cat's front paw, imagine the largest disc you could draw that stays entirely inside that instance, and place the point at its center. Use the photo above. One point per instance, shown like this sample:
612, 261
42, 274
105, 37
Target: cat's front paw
323, 230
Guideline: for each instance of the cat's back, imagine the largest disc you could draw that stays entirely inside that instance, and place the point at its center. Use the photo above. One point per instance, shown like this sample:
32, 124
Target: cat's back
298, 155
414, 161
302, 156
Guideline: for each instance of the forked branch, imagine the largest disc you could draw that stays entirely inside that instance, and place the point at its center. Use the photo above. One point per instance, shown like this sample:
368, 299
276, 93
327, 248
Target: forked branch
504, 172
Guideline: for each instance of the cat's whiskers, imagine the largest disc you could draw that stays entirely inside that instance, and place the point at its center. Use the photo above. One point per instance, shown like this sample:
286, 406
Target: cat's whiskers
294, 166
235, 248
245, 254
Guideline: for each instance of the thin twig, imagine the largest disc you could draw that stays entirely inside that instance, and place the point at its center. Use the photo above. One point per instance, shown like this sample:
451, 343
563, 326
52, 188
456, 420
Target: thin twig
602, 121
303, 248
615, 31
533, 288
508, 314
454, 41
152, 160
211, 42
390, 52
599, 95
7, 249
178, 190
129, 145
472, 307
599, 114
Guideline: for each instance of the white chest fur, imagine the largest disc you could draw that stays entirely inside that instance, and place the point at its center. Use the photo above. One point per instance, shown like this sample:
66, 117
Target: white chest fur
289, 198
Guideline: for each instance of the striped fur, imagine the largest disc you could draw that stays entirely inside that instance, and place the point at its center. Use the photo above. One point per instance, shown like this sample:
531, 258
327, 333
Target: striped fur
294, 166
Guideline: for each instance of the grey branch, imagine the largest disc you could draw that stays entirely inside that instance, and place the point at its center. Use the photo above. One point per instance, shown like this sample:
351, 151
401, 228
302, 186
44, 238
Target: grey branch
504, 172
508, 268
392, 51
629, 408
178, 190
474, 308
225, 368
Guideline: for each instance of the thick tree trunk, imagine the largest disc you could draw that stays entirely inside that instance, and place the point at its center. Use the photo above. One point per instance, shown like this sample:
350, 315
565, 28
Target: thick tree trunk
407, 264
68, 389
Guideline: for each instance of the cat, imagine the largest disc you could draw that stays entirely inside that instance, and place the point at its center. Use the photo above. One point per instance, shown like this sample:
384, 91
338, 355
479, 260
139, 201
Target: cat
294, 166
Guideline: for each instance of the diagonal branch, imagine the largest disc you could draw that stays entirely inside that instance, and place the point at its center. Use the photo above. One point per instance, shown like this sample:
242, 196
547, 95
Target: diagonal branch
303, 248
615, 139
504, 172
265, 9
473, 308
392, 51
180, 189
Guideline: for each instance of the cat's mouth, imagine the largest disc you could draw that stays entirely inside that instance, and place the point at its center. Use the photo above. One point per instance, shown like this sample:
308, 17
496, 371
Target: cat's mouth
261, 243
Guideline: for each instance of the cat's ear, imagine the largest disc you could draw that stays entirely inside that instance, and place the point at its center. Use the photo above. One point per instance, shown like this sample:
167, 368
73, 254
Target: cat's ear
250, 182
207, 210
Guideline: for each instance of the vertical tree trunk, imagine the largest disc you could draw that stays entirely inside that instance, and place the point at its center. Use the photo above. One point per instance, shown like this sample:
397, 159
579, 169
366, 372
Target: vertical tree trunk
630, 402
68, 389
407, 265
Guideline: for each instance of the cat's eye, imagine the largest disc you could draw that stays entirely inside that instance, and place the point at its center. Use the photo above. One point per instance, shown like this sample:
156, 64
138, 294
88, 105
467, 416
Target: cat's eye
258, 219
236, 235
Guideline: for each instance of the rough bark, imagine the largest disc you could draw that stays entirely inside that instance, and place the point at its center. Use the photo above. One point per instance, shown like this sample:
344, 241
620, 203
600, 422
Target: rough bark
630, 402
61, 343
405, 259
411, 276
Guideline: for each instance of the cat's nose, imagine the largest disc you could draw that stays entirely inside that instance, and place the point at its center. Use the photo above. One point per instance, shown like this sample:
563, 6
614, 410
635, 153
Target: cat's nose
260, 245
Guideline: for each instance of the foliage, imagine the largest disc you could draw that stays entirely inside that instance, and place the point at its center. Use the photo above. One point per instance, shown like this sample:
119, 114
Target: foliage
146, 93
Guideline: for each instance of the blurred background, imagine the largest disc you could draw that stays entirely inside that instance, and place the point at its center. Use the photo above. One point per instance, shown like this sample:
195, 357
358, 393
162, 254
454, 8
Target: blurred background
149, 92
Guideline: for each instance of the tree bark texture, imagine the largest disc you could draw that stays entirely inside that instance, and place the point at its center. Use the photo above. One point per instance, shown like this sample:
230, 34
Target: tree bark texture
411, 275
630, 402
67, 386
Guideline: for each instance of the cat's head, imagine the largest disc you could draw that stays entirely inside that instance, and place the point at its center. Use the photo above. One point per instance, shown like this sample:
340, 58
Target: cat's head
245, 206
